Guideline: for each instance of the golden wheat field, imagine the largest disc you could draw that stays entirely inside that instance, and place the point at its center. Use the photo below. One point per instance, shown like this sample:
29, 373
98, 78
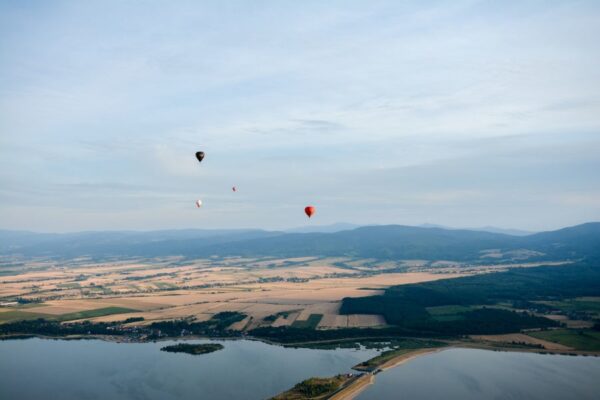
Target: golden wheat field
274, 292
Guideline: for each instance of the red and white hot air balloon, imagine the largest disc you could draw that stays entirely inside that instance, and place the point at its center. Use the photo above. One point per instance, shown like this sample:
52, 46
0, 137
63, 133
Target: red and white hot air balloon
198, 203
309, 211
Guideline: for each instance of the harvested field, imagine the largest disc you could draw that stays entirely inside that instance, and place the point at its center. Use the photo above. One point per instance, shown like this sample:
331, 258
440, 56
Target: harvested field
310, 323
360, 320
164, 289
332, 321
520, 338
287, 320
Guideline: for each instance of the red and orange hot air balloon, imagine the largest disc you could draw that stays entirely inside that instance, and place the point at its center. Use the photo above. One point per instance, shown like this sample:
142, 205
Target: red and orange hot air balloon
310, 210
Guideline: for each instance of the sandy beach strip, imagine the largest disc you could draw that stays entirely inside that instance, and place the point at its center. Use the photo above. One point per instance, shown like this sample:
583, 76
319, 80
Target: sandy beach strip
352, 390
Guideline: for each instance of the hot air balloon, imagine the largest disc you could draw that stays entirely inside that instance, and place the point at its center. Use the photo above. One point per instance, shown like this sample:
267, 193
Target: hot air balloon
198, 203
234, 189
310, 210
200, 155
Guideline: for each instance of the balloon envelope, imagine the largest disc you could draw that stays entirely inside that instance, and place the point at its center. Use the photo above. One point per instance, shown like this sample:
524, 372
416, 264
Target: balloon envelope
234, 189
198, 203
310, 210
200, 155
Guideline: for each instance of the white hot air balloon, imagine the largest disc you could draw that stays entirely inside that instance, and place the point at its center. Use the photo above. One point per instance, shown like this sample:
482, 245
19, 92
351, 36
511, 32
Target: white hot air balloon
198, 203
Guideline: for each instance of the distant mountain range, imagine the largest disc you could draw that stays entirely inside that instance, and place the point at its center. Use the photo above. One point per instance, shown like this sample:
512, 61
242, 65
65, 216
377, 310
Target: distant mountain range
340, 226
492, 229
121, 243
380, 242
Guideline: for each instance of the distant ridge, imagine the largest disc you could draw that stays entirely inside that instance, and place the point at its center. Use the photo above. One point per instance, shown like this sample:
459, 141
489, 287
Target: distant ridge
492, 229
332, 228
120, 243
393, 242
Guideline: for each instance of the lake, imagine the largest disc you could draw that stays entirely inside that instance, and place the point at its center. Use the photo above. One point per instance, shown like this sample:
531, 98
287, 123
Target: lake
95, 369
479, 374
245, 369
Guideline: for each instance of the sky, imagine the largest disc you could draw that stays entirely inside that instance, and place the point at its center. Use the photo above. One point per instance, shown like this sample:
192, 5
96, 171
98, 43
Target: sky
460, 113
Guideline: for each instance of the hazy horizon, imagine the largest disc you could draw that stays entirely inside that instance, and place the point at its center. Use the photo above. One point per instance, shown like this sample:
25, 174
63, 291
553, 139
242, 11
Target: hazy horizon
461, 113
316, 227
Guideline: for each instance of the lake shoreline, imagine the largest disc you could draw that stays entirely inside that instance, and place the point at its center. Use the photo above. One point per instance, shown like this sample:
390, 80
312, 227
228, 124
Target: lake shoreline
243, 369
354, 388
467, 344
368, 378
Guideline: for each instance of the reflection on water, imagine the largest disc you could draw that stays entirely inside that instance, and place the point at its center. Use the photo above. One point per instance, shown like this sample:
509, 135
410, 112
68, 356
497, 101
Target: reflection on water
94, 369
478, 374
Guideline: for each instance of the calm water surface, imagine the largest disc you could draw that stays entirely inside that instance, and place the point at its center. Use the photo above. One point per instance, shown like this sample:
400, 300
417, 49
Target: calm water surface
478, 374
94, 369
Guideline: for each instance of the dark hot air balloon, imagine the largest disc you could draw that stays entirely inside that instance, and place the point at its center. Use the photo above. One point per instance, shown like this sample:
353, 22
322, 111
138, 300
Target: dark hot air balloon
200, 155
310, 210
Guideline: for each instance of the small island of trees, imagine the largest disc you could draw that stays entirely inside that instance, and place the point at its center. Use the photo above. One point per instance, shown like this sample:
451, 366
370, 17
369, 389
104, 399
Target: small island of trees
195, 349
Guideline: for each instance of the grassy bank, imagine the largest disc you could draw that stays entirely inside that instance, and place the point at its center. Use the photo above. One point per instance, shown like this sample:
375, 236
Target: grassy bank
586, 339
316, 388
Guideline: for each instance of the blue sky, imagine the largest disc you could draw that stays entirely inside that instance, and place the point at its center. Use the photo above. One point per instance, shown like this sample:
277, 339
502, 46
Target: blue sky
463, 113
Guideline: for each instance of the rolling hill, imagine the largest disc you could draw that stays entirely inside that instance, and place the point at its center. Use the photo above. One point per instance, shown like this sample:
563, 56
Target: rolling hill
380, 242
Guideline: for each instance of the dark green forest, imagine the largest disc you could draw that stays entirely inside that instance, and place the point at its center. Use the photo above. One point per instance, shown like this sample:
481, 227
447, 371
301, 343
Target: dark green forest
484, 300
